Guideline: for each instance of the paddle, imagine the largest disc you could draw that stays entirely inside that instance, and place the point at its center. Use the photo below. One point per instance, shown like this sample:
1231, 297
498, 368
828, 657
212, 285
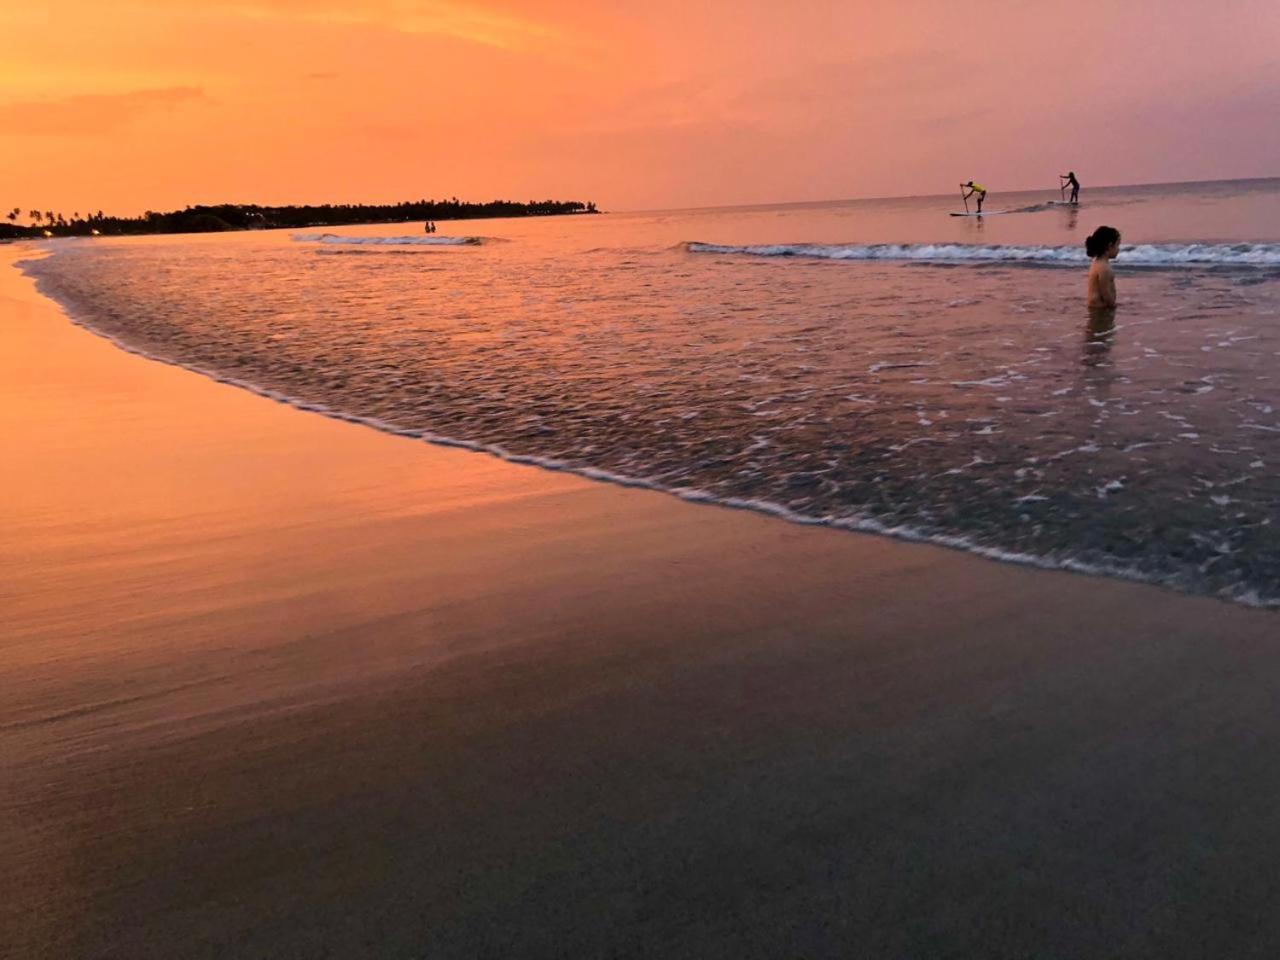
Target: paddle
964, 198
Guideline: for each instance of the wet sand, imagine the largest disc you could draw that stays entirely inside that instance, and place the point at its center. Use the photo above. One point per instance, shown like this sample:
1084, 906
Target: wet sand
274, 685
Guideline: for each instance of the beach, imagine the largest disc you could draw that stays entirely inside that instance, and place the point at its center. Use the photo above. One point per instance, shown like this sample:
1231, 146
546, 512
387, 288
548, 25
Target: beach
273, 684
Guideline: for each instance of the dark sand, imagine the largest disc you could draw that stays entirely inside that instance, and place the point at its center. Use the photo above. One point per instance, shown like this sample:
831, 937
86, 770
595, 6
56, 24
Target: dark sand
272, 685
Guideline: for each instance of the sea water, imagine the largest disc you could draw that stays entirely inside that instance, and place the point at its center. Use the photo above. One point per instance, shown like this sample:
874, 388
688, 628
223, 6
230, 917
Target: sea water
876, 365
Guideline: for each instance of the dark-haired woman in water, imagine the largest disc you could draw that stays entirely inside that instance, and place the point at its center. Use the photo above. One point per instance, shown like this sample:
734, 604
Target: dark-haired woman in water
1103, 246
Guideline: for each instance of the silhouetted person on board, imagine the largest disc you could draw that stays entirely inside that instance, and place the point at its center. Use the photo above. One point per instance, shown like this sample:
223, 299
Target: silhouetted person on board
975, 190
1070, 177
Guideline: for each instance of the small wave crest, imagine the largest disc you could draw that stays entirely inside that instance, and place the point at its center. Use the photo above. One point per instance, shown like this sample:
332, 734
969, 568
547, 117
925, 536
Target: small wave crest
1147, 254
415, 241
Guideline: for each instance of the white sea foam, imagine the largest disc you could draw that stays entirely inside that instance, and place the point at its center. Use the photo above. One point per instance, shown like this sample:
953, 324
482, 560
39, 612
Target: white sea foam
779, 411
423, 240
1146, 254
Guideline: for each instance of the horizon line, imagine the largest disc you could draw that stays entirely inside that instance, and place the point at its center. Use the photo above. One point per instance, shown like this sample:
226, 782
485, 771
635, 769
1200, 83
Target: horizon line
926, 196
716, 206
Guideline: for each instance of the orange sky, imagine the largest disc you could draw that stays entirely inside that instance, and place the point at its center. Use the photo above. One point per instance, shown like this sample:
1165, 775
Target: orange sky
130, 104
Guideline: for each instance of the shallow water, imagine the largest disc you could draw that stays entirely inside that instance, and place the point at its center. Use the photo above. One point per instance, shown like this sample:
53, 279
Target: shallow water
875, 364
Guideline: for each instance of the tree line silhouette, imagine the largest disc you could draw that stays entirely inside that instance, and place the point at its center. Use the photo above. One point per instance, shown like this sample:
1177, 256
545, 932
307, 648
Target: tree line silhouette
238, 216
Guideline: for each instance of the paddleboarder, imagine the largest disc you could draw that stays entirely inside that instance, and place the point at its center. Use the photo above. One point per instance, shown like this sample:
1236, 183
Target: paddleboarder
1070, 177
975, 190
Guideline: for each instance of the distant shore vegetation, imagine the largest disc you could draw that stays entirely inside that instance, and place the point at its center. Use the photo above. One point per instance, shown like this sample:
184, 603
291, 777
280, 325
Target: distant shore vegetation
17, 223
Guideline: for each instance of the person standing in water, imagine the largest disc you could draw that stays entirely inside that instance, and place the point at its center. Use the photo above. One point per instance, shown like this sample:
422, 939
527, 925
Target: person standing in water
1103, 246
975, 190
1070, 177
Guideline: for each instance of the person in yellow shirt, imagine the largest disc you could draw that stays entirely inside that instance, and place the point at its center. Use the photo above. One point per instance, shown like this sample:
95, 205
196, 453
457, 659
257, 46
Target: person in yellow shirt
975, 190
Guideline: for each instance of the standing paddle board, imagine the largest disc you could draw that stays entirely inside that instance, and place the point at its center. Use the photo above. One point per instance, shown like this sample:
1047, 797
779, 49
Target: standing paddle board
984, 213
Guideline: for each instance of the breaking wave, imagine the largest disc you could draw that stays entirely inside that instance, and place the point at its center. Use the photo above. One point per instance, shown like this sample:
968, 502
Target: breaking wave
1191, 254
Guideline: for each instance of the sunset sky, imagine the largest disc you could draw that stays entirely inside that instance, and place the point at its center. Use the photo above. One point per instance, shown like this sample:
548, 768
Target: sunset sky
134, 104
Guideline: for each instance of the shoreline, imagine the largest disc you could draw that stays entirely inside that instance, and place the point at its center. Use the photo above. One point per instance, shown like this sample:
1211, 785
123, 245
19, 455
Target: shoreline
867, 525
63, 233
280, 685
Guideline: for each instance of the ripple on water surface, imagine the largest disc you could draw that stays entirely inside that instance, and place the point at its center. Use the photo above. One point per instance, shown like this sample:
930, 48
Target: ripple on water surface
976, 406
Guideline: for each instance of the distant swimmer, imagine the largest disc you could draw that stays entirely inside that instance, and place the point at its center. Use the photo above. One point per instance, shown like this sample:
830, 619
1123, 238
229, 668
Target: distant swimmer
975, 190
430, 227
1073, 183
1103, 246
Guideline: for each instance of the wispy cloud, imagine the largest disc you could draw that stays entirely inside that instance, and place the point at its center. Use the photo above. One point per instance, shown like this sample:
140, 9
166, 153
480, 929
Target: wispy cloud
90, 114
460, 19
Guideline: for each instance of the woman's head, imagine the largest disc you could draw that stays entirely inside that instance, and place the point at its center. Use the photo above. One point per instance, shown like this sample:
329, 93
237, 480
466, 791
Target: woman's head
1101, 241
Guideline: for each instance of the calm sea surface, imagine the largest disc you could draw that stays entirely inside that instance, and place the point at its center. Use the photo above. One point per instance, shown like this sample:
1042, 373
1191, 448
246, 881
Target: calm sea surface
878, 365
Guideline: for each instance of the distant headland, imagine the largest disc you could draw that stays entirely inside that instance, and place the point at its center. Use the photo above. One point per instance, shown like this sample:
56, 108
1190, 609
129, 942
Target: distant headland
239, 216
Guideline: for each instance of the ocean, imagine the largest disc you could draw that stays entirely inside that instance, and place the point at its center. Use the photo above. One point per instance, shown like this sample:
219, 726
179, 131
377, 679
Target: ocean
874, 365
